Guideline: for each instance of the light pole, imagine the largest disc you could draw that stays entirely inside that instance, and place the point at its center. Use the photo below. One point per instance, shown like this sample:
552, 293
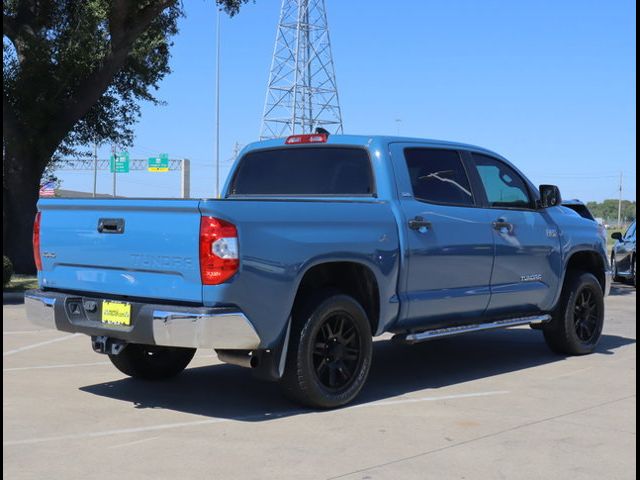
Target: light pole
95, 166
620, 201
218, 105
114, 150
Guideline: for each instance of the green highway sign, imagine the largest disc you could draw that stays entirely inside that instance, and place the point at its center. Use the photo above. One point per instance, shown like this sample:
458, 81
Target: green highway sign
120, 163
159, 163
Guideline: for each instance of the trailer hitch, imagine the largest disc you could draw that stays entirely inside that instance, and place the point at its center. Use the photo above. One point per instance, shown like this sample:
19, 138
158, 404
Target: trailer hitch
107, 345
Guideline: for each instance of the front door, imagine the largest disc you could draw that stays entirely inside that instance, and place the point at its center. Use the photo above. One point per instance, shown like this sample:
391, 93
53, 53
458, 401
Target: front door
528, 259
447, 242
625, 250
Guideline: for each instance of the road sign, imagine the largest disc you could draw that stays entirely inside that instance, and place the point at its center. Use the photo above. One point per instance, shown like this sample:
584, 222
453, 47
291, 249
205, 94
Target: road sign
159, 163
120, 163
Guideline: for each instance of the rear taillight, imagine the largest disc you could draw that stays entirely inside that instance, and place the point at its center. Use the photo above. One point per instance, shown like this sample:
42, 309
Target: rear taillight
306, 138
36, 241
218, 250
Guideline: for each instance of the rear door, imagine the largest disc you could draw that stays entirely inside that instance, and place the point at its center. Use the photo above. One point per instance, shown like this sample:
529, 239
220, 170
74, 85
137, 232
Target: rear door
448, 244
528, 261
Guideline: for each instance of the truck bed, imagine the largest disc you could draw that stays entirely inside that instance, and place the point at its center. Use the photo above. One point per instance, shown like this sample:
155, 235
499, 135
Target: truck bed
156, 255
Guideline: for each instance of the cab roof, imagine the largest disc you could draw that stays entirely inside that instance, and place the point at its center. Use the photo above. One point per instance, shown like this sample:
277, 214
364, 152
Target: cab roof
371, 140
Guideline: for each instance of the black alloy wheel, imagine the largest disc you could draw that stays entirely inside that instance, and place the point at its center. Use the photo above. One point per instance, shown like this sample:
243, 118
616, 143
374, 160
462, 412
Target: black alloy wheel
586, 313
329, 352
337, 351
576, 324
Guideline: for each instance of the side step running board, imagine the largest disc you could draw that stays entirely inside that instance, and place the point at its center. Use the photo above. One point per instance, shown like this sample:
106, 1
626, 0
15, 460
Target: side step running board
416, 337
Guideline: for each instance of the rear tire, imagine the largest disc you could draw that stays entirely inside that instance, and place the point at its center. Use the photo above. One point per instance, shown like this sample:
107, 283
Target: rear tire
577, 323
151, 362
329, 353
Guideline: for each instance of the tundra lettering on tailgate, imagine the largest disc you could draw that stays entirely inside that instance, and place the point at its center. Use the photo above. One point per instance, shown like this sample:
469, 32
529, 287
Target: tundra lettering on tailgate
161, 261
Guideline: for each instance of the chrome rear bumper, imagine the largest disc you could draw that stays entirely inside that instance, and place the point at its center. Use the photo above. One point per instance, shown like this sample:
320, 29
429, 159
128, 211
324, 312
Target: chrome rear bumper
40, 310
204, 330
152, 324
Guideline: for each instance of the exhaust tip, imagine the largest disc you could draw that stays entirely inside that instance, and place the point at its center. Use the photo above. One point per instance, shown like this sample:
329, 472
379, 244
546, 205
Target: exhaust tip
241, 358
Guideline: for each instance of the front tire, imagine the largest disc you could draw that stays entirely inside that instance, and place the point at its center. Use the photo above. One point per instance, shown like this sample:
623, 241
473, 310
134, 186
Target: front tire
614, 268
151, 362
577, 323
330, 352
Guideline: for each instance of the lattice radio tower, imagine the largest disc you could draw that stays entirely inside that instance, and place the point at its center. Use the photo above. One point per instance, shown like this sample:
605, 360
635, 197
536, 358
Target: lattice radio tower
302, 94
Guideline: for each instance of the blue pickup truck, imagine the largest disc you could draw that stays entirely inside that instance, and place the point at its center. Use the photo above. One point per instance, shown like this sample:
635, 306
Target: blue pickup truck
318, 244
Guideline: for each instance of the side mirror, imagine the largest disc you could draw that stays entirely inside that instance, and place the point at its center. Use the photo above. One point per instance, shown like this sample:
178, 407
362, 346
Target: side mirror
550, 196
616, 236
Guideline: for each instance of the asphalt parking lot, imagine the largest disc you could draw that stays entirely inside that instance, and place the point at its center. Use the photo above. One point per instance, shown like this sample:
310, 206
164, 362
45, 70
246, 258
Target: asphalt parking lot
490, 405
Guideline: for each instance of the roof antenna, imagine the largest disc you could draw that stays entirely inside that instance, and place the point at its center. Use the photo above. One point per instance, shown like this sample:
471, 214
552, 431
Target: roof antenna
322, 131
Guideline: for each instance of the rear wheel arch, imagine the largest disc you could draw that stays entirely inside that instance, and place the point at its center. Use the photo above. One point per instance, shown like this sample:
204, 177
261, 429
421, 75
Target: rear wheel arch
350, 278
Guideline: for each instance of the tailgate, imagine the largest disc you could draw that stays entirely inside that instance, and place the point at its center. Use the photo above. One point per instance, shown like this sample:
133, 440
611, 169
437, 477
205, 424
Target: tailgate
128, 247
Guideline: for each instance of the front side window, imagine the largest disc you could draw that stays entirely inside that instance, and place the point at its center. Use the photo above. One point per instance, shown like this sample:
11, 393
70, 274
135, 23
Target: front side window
438, 176
504, 187
631, 232
304, 171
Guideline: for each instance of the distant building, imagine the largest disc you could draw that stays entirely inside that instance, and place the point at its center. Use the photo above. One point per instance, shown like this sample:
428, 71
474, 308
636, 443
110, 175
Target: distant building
63, 193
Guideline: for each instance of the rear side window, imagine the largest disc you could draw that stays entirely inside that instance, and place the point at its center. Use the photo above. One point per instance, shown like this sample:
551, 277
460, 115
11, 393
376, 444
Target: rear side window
304, 171
438, 176
504, 187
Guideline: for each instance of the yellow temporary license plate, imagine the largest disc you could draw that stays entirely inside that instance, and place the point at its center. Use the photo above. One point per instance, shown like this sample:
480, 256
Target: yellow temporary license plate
117, 313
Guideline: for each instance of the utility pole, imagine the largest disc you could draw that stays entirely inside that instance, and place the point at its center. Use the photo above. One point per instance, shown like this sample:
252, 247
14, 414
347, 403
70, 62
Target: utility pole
218, 105
236, 150
95, 167
620, 201
113, 152
185, 178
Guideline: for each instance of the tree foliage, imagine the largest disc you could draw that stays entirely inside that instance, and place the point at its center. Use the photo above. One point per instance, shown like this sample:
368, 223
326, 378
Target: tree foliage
86, 64
608, 210
75, 73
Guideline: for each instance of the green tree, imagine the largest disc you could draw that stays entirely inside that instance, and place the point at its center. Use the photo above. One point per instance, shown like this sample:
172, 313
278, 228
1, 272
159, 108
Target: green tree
608, 209
74, 73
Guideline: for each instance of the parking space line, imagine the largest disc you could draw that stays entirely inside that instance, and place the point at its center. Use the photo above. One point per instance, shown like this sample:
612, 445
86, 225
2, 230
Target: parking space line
22, 332
40, 344
429, 399
46, 367
570, 374
122, 431
72, 365
128, 444
479, 438
211, 421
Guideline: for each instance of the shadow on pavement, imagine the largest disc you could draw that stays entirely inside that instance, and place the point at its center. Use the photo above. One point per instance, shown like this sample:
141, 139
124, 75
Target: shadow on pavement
225, 391
622, 289
12, 298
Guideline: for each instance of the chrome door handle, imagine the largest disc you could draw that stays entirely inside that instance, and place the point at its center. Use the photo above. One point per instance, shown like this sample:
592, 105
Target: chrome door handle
502, 226
419, 224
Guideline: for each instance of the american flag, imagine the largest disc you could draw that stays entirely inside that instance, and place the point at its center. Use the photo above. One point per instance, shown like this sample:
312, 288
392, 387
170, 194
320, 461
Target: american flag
47, 189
